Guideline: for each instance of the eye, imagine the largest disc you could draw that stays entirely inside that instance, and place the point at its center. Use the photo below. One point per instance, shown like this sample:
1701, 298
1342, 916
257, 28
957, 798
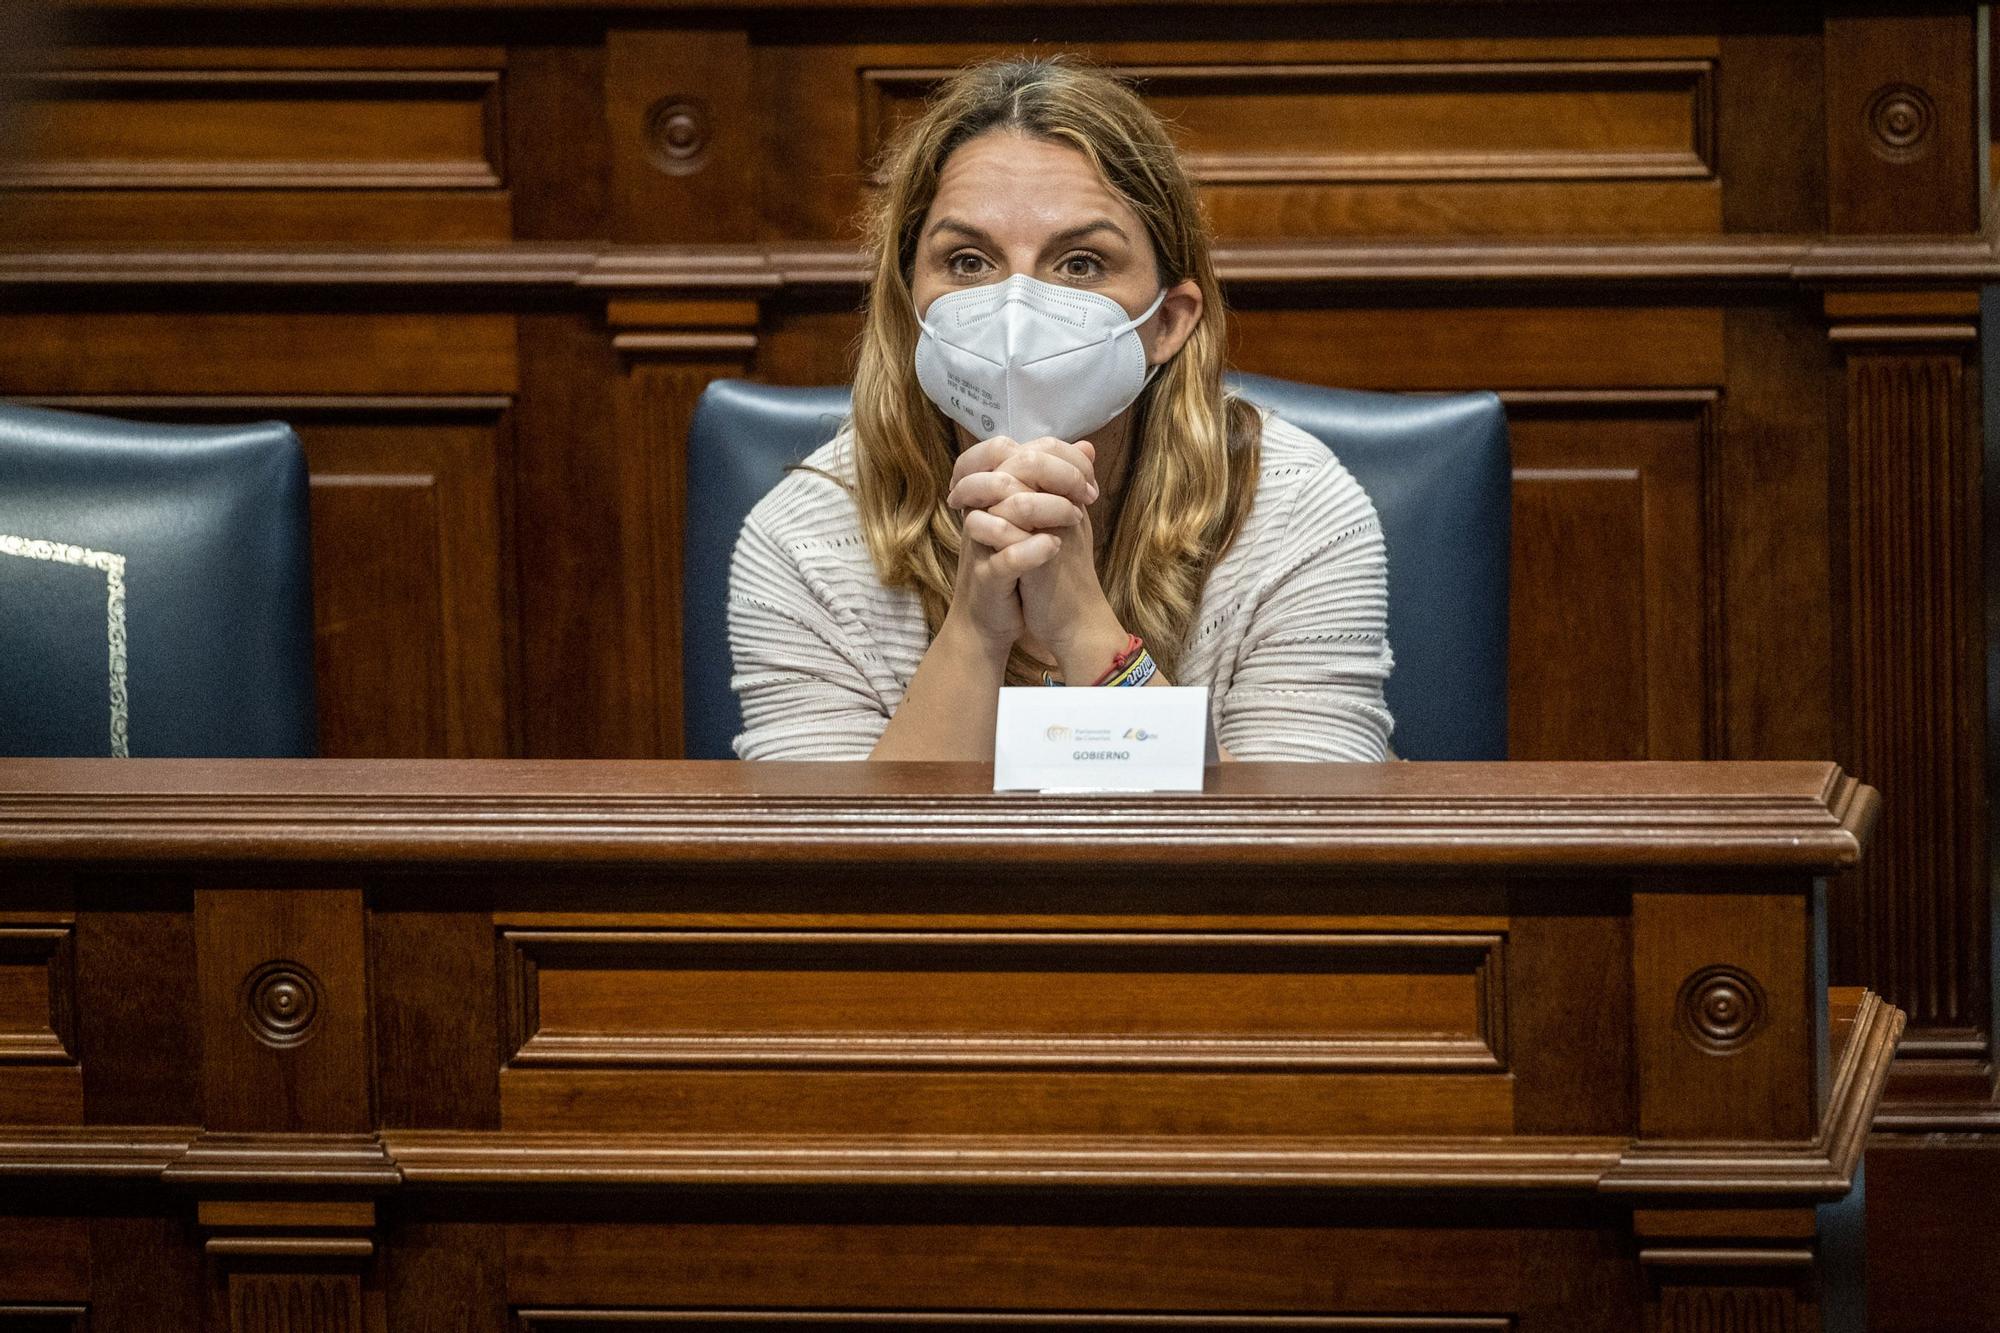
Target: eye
966, 264
1082, 266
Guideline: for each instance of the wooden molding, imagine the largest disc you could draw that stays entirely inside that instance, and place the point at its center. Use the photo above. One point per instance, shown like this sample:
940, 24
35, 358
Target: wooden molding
588, 1318
895, 957
1790, 816
108, 1152
355, 1161
752, 270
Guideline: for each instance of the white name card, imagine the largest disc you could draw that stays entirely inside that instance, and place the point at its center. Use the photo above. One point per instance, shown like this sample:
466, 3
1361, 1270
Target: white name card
1110, 738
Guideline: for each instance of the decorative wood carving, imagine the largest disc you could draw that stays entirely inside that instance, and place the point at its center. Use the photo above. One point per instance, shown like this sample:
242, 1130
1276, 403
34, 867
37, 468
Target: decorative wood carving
280, 1003
295, 1303
1706, 1309
677, 134
1903, 119
1911, 924
1721, 1008
670, 350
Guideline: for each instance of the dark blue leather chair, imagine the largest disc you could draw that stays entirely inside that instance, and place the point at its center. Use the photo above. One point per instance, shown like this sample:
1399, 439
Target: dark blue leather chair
155, 589
1437, 468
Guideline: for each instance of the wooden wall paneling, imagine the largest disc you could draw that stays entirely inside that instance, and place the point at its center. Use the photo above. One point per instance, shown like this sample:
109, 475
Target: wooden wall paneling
557, 136
432, 989
1556, 936
405, 420
669, 349
409, 586
583, 547
1724, 1000
139, 1024
156, 348
1933, 1201
1308, 334
1330, 133
44, 1260
41, 1077
1121, 1263
684, 137
1776, 695
1771, 120
1612, 652
146, 1266
1914, 920
224, 144
284, 1008
1903, 124
444, 1269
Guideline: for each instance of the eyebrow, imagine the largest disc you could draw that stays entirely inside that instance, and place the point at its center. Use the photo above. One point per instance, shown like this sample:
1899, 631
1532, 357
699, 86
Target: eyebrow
1063, 237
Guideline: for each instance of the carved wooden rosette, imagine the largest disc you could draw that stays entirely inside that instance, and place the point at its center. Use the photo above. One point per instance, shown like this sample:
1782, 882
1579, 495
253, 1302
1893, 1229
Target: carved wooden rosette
1909, 925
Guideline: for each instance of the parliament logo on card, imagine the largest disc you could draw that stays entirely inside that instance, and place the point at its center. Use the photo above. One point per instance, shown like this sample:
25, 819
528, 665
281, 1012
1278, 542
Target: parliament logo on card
1102, 739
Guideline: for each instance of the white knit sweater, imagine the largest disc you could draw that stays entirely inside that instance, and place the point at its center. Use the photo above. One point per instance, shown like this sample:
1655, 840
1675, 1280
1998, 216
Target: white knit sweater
1290, 636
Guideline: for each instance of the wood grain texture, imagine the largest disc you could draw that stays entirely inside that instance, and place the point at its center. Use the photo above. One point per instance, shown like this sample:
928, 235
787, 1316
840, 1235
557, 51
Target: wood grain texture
1912, 919
1612, 652
1903, 154
1796, 816
436, 1035
284, 1010
1922, 1197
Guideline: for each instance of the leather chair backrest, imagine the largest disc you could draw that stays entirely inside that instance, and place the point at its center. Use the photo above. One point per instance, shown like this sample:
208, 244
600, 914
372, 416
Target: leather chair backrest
155, 589
1436, 466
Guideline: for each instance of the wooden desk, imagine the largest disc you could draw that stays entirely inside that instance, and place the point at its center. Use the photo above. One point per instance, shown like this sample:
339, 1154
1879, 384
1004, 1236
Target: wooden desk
536, 1046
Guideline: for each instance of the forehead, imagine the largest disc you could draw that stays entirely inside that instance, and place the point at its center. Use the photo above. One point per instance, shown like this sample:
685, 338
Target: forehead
1005, 182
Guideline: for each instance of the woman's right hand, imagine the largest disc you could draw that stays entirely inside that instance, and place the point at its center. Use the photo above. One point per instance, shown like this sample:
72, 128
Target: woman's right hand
1015, 535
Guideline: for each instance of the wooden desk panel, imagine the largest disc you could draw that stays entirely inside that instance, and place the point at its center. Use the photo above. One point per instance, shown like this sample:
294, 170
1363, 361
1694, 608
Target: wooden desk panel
533, 1046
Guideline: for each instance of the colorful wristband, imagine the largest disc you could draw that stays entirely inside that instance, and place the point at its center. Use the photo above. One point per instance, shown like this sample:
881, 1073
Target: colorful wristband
1134, 666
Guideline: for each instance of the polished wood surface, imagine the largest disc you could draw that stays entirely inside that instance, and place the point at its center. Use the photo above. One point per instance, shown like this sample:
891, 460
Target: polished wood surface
528, 1045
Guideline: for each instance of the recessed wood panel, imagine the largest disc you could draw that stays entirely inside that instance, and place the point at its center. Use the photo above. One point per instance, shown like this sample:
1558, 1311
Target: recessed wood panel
408, 588
1320, 133
40, 1079
231, 145
585, 1319
44, 1260
1262, 1259
189, 347
897, 1000
1363, 122
294, 129
1610, 647
1419, 347
1057, 1032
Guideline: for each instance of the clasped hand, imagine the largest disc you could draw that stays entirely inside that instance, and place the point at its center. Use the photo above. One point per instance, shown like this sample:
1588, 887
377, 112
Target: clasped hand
1028, 563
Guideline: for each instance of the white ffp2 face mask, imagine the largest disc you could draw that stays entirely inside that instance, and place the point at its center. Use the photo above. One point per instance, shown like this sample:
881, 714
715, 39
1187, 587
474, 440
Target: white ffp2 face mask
1025, 358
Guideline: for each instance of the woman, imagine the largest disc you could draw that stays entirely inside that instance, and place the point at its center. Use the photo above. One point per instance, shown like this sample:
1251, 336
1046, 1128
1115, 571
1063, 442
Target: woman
1043, 481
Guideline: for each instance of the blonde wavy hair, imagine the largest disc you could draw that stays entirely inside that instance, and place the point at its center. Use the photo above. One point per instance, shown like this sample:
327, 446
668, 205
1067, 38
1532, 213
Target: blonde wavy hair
1193, 462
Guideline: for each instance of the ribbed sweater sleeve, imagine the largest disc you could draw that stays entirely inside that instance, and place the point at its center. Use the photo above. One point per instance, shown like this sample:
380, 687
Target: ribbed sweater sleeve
1314, 656
803, 686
